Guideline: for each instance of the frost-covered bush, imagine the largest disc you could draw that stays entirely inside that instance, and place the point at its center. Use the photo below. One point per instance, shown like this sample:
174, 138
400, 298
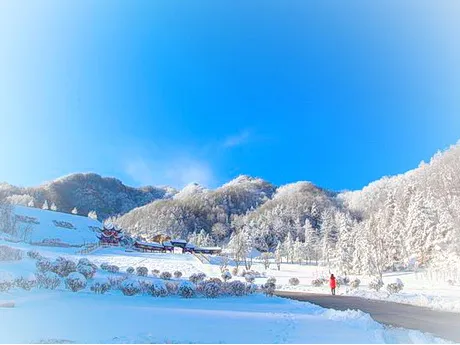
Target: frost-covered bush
165, 275
158, 289
142, 271
269, 288
294, 281
395, 286
197, 278
63, 266
87, 271
100, 287
343, 281
104, 266
187, 289
75, 281
236, 288
43, 265
10, 254
354, 284
376, 284
145, 285
235, 272
130, 287
26, 283
33, 254
6, 281
115, 281
113, 269
271, 280
226, 276
48, 280
210, 289
451, 282
317, 282
251, 288
172, 287
177, 274
249, 278
130, 270
86, 262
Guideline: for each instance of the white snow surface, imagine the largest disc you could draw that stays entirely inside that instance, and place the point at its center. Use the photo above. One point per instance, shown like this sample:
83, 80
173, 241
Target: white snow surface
84, 317
47, 229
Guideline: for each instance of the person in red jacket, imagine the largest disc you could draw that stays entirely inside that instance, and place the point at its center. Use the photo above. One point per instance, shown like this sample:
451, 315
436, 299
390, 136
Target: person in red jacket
332, 284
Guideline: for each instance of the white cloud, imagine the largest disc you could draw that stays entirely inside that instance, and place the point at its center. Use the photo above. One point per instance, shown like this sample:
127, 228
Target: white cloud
237, 139
176, 172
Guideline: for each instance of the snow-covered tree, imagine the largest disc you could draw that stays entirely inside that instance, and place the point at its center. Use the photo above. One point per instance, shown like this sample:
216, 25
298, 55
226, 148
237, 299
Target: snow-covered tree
74, 211
45, 205
53, 207
92, 215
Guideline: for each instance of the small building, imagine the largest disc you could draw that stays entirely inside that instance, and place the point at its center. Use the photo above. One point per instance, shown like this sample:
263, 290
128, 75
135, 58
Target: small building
168, 247
179, 243
150, 247
208, 250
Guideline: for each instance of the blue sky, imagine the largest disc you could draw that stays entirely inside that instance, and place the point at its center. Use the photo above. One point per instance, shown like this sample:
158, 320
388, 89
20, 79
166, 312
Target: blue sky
339, 93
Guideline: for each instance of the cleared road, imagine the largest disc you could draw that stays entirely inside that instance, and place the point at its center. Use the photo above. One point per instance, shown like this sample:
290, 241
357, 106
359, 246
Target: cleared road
443, 324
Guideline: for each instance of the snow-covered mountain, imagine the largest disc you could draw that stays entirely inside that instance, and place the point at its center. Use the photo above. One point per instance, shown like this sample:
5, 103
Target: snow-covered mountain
86, 192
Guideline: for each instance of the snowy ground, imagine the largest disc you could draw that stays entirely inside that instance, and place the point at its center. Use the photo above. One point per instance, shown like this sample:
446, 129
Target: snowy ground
418, 289
83, 317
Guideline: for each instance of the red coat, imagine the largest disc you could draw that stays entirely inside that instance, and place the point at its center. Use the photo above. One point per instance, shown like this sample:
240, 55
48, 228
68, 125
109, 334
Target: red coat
332, 283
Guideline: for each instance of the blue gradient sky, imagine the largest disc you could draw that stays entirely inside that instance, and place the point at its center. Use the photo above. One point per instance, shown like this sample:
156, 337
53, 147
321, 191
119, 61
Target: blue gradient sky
169, 92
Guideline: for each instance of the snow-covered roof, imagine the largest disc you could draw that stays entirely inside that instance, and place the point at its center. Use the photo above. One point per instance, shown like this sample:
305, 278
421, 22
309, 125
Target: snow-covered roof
167, 244
208, 248
150, 244
179, 241
190, 245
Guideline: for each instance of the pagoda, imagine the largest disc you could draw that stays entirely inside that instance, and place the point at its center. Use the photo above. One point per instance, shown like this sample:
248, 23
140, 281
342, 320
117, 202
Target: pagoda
111, 235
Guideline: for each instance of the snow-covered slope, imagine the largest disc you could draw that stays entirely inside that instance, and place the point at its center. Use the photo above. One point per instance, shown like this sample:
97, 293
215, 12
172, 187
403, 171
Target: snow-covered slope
37, 225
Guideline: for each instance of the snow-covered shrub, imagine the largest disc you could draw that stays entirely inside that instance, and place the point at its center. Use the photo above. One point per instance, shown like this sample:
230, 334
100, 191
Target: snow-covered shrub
6, 281
145, 285
177, 274
26, 283
317, 282
87, 271
48, 280
268, 288
210, 289
104, 266
155, 272
172, 287
43, 265
113, 269
100, 287
165, 275
158, 289
130, 270
130, 287
251, 288
63, 266
187, 289
197, 278
75, 281
271, 280
236, 288
396, 286
86, 262
294, 281
451, 282
249, 278
33, 254
115, 281
344, 280
235, 272
10, 254
354, 284
376, 284
226, 275
142, 271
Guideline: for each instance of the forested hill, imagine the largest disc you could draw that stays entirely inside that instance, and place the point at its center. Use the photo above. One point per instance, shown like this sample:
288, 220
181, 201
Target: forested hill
85, 192
413, 217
